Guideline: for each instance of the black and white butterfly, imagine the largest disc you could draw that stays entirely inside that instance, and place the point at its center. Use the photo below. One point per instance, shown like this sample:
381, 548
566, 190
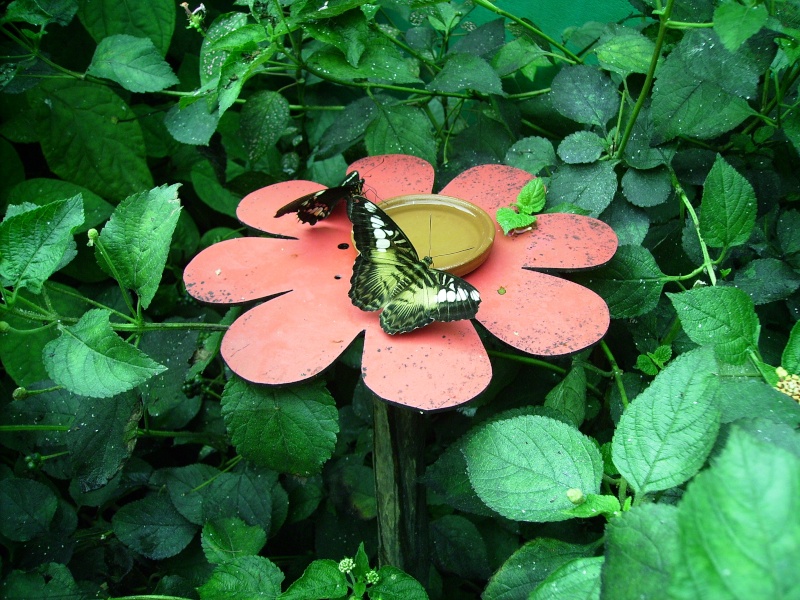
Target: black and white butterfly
318, 205
388, 274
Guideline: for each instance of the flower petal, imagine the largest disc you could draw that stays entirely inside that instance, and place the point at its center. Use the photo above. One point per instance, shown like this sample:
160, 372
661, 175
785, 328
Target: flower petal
292, 337
488, 186
391, 175
439, 366
245, 269
538, 313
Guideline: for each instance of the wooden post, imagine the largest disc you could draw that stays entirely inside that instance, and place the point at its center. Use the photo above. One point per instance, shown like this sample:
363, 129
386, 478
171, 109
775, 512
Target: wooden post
399, 444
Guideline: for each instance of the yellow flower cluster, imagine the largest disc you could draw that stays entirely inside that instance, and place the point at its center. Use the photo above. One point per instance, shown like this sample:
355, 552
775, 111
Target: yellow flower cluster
788, 384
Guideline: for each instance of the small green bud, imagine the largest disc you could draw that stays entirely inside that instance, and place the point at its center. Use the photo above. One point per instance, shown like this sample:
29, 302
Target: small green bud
20, 393
576, 496
93, 235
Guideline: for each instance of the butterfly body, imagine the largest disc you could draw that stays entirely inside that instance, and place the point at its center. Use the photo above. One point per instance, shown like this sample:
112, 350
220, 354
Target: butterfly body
318, 205
389, 274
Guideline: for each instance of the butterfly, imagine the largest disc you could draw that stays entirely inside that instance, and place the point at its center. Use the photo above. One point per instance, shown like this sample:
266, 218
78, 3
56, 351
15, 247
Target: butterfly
388, 274
318, 205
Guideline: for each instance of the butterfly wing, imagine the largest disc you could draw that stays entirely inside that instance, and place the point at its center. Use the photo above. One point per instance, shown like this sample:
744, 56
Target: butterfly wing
318, 205
431, 296
388, 274
386, 257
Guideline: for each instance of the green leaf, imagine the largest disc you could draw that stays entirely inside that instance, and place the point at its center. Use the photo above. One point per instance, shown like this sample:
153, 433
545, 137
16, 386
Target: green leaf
212, 59
41, 13
43, 191
36, 243
211, 192
89, 359
349, 33
27, 508
728, 209
667, 432
264, 119
631, 224
509, 219
581, 147
686, 104
192, 124
585, 94
531, 198
522, 467
579, 578
767, 280
647, 188
591, 187
626, 52
132, 62
790, 360
466, 72
381, 62
394, 584
448, 478
531, 154
593, 505
532, 564
154, 19
152, 527
51, 581
102, 438
224, 540
723, 317
630, 283
641, 545
290, 429
730, 545
788, 232
321, 579
91, 137
401, 130
243, 578
746, 398
734, 23
569, 396
518, 54
459, 548
136, 240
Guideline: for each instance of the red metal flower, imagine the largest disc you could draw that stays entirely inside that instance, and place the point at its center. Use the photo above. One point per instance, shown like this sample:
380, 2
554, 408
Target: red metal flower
299, 333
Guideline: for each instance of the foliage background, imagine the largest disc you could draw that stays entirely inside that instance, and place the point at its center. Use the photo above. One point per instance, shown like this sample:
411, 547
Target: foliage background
663, 463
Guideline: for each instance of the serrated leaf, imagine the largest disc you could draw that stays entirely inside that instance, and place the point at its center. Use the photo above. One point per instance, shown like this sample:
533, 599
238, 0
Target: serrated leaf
647, 188
721, 553
152, 527
569, 396
518, 54
531, 198
102, 438
626, 53
264, 118
594, 505
746, 398
459, 548
41, 14
585, 94
667, 432
401, 130
394, 584
347, 128
321, 579
224, 540
43, 191
581, 147
35, 243
641, 545
532, 564
51, 581
154, 19
509, 219
531, 154
212, 58
349, 33
89, 359
591, 187
767, 280
462, 72
137, 238
790, 360
132, 62
522, 467
192, 124
728, 209
631, 224
289, 429
630, 283
92, 138
579, 578
722, 317
243, 578
381, 63
27, 508
688, 105
734, 23
448, 478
